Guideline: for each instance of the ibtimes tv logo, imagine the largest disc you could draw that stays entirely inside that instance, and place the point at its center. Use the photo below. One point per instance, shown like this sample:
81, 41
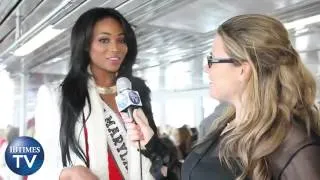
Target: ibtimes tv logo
24, 155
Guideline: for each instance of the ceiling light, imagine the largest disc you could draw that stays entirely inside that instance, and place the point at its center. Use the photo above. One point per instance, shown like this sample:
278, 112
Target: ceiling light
38, 40
52, 61
135, 66
301, 31
2, 66
300, 23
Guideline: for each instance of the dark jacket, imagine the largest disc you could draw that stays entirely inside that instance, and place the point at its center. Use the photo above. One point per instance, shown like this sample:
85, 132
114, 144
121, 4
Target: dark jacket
297, 158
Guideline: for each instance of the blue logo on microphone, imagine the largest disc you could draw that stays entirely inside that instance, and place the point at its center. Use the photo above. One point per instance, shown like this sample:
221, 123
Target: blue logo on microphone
134, 97
24, 155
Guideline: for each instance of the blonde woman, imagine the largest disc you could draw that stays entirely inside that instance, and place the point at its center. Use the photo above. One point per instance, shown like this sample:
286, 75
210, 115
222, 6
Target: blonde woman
274, 127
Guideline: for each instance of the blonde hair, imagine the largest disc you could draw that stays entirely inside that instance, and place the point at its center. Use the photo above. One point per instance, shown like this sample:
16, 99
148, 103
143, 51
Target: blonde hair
279, 90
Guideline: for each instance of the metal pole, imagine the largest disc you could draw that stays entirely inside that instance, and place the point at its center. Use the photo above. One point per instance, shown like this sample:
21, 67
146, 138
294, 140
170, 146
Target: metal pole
23, 98
22, 104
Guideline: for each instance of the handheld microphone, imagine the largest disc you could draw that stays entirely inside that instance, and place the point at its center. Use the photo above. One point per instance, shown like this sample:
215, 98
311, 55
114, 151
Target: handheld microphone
127, 100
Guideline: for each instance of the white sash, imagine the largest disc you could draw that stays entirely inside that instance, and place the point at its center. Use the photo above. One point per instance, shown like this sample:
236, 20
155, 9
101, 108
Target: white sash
96, 154
116, 138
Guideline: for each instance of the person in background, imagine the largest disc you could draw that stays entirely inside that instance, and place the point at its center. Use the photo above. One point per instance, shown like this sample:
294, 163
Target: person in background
194, 135
30, 127
10, 133
184, 141
77, 121
273, 131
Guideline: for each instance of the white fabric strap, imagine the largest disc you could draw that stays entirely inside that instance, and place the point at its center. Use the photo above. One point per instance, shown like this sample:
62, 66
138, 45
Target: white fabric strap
116, 138
98, 163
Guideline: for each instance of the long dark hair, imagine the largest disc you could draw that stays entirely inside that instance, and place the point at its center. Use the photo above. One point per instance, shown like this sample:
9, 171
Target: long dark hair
74, 87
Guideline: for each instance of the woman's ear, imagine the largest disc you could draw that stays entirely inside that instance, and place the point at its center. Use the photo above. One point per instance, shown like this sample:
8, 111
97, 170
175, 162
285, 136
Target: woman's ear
245, 71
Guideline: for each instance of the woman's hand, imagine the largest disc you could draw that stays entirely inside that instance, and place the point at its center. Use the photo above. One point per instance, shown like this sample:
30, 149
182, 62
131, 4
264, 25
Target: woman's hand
139, 131
77, 173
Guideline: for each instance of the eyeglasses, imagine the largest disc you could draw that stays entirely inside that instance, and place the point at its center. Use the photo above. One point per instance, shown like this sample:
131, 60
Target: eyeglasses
212, 60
